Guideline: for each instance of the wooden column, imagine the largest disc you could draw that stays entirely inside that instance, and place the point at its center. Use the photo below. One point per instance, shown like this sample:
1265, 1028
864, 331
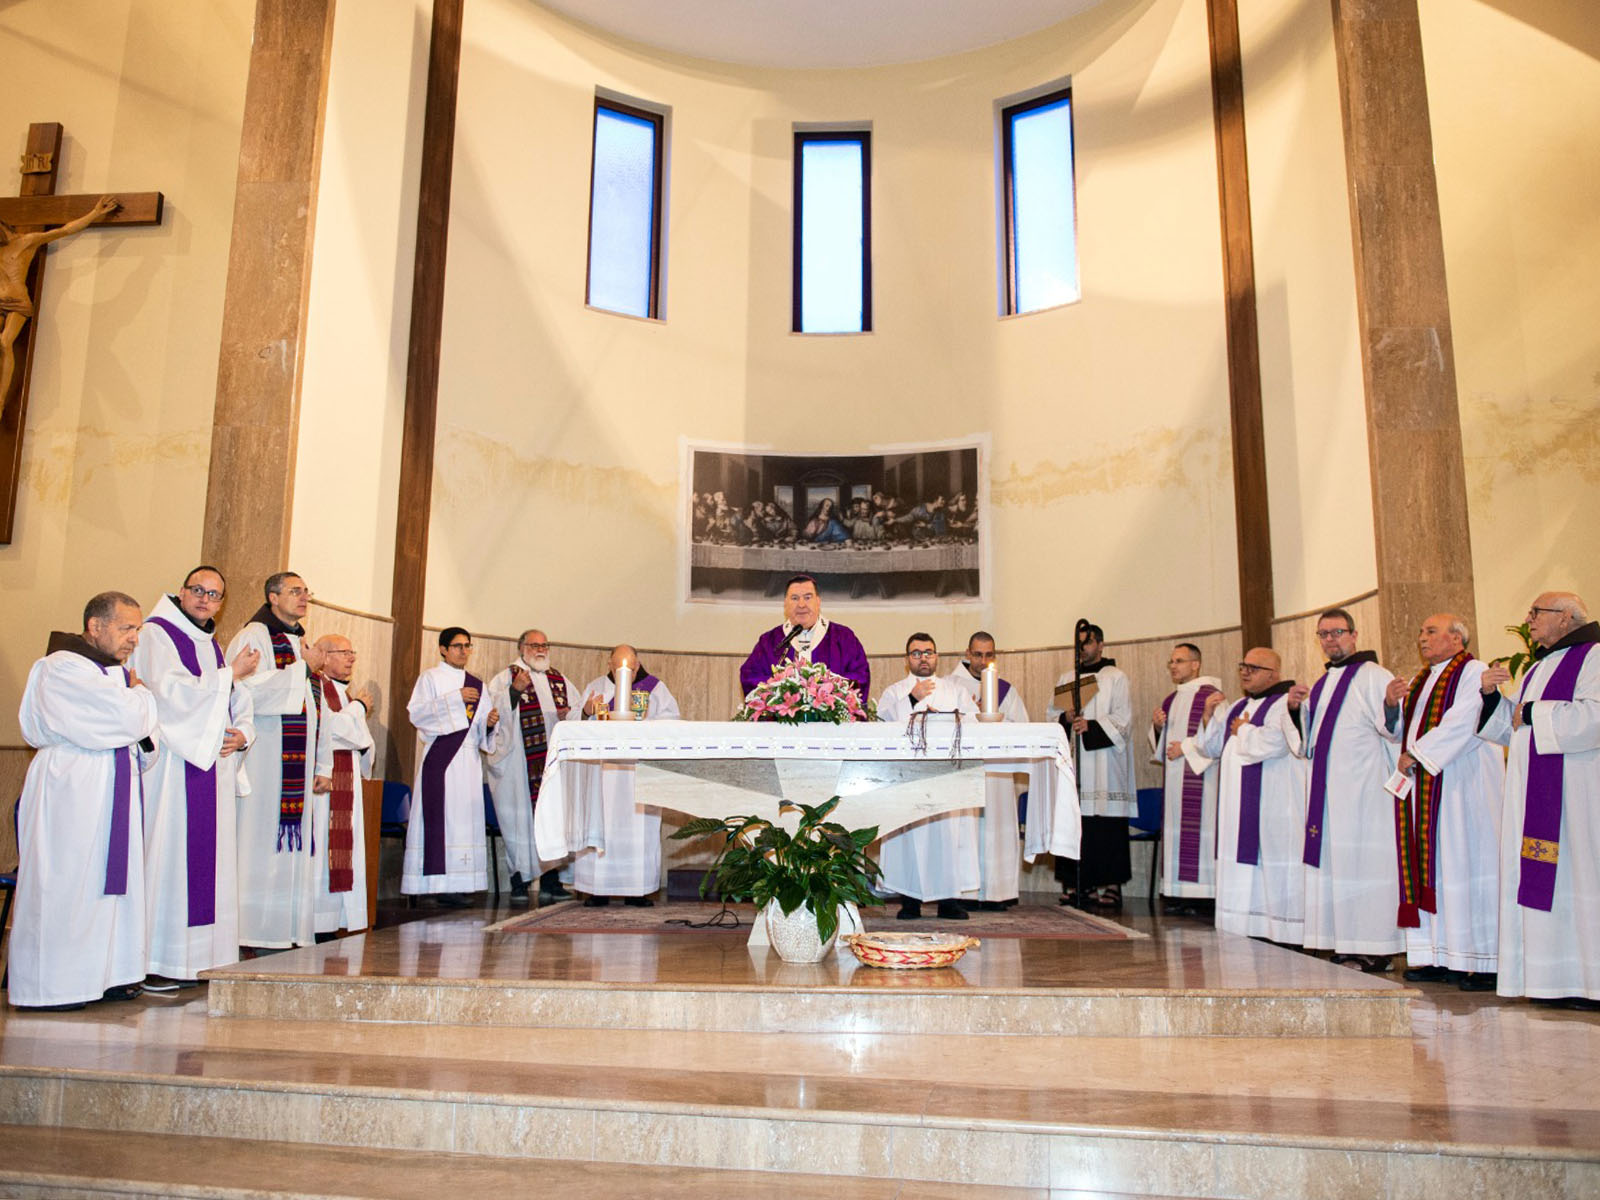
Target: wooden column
257, 415
422, 378
1419, 495
1251, 526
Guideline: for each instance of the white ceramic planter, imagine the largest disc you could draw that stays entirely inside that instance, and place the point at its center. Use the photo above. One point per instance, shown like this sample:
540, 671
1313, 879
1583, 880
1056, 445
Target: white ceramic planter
795, 936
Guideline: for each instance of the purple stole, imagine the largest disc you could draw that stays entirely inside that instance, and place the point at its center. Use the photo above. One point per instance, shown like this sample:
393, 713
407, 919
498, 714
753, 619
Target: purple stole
639, 695
1317, 801
200, 800
292, 768
1192, 804
1249, 850
439, 757
535, 737
1541, 817
1001, 692
122, 773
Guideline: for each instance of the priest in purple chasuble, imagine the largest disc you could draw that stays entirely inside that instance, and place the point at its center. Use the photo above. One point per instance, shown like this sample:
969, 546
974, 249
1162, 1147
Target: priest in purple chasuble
1189, 792
344, 759
807, 635
446, 849
1261, 805
191, 861
1352, 884
1550, 825
937, 858
1103, 734
1447, 831
999, 839
628, 860
531, 696
78, 929
278, 856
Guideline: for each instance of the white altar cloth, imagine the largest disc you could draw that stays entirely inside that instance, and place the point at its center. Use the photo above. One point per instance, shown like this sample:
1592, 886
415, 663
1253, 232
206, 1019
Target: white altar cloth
722, 768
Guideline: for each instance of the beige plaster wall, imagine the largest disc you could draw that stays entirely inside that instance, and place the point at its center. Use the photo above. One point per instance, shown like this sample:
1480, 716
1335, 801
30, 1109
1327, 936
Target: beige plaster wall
556, 497
118, 425
1515, 93
1313, 408
352, 399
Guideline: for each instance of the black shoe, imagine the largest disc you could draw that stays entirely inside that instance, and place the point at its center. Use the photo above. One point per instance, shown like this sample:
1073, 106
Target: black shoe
126, 991
453, 900
970, 905
596, 901
1426, 974
518, 888
1580, 1003
1478, 981
639, 902
951, 910
1377, 964
554, 897
910, 910
994, 905
550, 886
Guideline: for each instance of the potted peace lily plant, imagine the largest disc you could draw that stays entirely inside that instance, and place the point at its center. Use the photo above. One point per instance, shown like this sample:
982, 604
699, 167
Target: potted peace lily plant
801, 880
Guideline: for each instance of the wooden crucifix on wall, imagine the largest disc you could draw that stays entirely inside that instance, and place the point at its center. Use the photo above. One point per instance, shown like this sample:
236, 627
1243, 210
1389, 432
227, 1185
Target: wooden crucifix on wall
28, 222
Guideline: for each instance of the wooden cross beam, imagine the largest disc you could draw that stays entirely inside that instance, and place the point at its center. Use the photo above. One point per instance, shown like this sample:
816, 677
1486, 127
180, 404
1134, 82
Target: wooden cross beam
38, 209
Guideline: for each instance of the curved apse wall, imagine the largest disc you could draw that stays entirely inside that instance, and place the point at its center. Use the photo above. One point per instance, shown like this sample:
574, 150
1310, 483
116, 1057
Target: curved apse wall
556, 496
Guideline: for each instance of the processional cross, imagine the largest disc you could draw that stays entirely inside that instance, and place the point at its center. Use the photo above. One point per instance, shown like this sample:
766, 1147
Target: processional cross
34, 211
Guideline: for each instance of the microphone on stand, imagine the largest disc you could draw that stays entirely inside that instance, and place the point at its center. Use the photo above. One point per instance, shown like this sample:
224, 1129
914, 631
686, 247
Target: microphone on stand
788, 639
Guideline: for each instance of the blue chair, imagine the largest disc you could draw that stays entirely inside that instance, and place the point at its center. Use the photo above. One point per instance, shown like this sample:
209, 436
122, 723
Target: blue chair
396, 809
1146, 827
491, 827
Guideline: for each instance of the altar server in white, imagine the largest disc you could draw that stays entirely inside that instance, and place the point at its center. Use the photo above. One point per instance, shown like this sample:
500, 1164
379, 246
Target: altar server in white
1189, 791
628, 864
78, 933
1550, 827
1352, 881
1102, 733
278, 857
935, 859
999, 844
191, 861
446, 847
1261, 803
531, 696
1449, 826
344, 759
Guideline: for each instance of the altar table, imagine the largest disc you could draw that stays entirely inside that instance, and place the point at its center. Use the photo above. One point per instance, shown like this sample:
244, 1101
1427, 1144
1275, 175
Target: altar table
883, 773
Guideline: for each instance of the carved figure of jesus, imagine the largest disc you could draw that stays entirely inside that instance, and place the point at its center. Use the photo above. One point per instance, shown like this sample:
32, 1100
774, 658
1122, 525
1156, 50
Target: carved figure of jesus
16, 256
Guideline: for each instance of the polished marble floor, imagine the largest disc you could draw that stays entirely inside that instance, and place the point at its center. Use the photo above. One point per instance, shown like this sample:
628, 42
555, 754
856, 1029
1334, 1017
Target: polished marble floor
1476, 1071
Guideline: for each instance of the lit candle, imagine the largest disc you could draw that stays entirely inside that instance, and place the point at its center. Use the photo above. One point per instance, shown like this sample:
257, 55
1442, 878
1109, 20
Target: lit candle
622, 706
991, 690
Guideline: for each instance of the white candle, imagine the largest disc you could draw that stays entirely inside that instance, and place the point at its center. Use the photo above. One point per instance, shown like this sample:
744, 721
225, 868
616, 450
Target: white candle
991, 690
622, 708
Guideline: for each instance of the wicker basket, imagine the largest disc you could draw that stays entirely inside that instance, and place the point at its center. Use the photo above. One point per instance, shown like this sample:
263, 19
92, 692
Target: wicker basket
908, 951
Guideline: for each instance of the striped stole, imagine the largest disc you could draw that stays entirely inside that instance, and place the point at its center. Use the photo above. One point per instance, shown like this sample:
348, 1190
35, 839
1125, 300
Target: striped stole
341, 804
535, 737
292, 755
1416, 826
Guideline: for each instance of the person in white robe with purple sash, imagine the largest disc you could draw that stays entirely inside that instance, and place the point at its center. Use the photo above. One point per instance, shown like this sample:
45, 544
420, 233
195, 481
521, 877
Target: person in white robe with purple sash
531, 696
446, 845
1189, 784
191, 860
78, 931
278, 863
936, 858
1261, 805
1550, 826
344, 759
1352, 881
1447, 829
999, 839
628, 862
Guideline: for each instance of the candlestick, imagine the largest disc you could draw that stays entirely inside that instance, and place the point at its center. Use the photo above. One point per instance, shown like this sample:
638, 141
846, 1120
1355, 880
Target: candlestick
991, 689
622, 708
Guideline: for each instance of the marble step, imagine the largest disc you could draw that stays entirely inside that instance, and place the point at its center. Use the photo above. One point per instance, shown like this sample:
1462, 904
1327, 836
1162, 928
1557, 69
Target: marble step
959, 1138
76, 1162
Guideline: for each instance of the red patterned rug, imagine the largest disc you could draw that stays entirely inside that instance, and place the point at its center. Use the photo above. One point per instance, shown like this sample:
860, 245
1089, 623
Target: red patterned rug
675, 916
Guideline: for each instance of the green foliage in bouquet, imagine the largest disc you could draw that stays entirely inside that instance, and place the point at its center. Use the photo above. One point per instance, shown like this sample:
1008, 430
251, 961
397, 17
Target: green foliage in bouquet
822, 862
799, 692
